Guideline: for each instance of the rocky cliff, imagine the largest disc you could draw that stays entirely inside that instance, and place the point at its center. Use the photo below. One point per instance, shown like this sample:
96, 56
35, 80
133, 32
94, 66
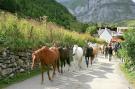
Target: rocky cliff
101, 10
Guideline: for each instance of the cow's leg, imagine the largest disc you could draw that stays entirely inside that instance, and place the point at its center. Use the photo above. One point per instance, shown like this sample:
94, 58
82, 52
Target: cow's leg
48, 72
54, 68
62, 63
79, 63
42, 74
74, 64
68, 62
48, 75
57, 62
91, 60
87, 61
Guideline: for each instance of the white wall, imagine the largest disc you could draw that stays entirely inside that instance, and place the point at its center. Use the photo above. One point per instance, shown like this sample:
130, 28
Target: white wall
106, 36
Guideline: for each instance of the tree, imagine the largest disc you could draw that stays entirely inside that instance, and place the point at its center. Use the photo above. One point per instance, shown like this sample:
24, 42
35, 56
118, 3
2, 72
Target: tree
92, 29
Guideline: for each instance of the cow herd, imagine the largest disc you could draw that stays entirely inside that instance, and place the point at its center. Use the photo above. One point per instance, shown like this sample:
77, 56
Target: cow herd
55, 58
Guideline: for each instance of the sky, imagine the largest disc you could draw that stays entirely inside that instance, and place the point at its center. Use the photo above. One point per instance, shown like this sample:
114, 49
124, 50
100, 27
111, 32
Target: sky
133, 0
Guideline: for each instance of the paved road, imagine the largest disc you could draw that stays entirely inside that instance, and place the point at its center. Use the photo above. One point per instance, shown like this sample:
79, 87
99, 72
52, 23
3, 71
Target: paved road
103, 75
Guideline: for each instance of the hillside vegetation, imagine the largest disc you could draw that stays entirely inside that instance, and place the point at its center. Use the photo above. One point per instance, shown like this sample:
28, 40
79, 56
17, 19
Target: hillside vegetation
128, 23
128, 54
54, 11
22, 34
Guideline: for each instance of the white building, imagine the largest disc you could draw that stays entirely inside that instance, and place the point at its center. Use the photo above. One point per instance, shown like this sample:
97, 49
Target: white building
105, 34
121, 30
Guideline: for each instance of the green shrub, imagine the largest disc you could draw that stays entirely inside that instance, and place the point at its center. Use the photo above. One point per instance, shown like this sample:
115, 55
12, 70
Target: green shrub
128, 49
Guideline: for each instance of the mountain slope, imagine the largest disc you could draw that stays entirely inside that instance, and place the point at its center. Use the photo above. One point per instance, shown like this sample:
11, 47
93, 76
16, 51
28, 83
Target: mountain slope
37, 8
101, 10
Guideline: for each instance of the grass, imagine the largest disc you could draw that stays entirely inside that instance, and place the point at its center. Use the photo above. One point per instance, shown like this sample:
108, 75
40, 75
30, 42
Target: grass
130, 75
20, 34
18, 78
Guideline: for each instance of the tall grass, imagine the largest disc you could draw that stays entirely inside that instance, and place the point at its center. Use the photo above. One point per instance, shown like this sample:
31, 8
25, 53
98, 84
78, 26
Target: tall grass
130, 75
21, 34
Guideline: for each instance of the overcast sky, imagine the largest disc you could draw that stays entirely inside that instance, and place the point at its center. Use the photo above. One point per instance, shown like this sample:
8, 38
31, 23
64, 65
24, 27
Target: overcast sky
133, 0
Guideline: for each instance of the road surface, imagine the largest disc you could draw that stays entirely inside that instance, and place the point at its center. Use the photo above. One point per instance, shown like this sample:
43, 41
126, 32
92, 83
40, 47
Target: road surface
103, 75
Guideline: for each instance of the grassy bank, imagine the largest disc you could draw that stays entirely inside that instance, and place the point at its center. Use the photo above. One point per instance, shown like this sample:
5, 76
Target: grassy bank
130, 75
18, 33
18, 78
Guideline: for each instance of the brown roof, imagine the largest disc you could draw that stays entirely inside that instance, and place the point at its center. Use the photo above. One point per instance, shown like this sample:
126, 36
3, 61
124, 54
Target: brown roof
114, 39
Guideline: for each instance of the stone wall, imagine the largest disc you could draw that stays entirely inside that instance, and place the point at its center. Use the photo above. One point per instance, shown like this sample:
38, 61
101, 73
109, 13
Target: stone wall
14, 62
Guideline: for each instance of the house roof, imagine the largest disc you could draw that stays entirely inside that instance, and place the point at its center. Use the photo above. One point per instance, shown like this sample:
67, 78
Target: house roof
114, 39
102, 30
